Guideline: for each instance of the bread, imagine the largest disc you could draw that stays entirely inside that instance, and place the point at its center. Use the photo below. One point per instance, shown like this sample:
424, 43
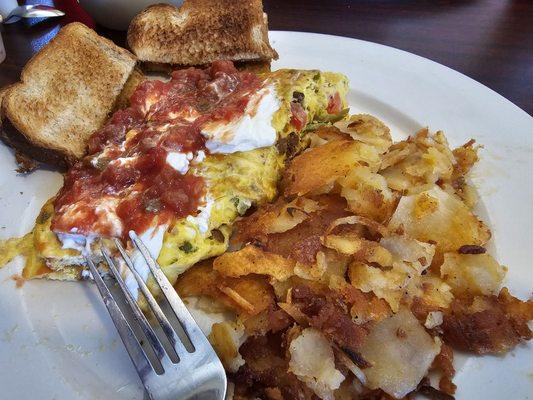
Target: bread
256, 67
136, 78
24, 162
200, 32
67, 91
3, 92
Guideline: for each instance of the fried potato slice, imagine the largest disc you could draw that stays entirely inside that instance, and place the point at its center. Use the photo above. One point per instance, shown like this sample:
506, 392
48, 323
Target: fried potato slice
334, 266
358, 220
404, 249
421, 160
346, 244
302, 242
367, 129
293, 214
312, 272
253, 290
465, 156
464, 190
247, 295
325, 134
433, 291
328, 311
439, 217
396, 153
367, 194
386, 284
278, 217
226, 339
360, 248
322, 165
265, 356
364, 307
488, 324
198, 280
472, 273
313, 362
400, 352
252, 260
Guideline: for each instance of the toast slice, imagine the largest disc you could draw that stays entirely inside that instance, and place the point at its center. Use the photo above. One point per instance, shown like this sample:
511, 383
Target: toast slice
3, 92
200, 32
66, 92
135, 79
24, 161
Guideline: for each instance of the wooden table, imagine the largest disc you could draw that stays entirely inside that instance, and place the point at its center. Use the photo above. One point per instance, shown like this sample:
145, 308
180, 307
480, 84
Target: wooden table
488, 40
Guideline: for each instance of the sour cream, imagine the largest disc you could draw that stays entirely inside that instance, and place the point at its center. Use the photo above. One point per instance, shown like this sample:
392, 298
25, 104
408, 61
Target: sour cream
179, 161
202, 219
251, 131
76, 242
153, 240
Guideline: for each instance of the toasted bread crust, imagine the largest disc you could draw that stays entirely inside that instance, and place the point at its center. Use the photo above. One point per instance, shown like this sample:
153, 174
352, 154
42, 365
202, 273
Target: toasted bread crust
23, 148
3, 92
135, 79
67, 91
257, 67
13, 138
200, 32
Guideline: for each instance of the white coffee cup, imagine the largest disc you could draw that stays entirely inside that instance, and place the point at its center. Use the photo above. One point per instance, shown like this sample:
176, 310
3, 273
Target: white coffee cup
6, 6
117, 14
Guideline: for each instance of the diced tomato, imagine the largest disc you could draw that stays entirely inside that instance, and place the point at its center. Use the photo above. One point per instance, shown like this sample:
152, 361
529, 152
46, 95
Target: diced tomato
226, 67
334, 104
298, 117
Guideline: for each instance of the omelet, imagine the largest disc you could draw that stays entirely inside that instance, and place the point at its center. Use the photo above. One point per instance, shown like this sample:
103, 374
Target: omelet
235, 182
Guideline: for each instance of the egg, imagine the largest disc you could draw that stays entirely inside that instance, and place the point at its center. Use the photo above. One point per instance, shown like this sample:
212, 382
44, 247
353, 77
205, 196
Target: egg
235, 179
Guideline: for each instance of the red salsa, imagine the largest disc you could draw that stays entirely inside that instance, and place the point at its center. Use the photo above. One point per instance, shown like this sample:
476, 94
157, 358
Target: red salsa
124, 183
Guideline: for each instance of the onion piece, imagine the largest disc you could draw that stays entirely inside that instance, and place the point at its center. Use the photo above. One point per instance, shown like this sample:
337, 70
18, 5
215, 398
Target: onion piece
349, 364
354, 220
403, 248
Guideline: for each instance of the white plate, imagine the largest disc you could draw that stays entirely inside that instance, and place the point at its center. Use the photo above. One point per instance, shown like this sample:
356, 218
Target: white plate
56, 339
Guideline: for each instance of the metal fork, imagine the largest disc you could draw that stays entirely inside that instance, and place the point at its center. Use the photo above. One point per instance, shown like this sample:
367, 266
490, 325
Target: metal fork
31, 11
199, 373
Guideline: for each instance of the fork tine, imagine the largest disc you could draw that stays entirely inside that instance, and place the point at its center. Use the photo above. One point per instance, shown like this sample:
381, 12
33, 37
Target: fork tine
137, 313
196, 336
135, 351
161, 318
